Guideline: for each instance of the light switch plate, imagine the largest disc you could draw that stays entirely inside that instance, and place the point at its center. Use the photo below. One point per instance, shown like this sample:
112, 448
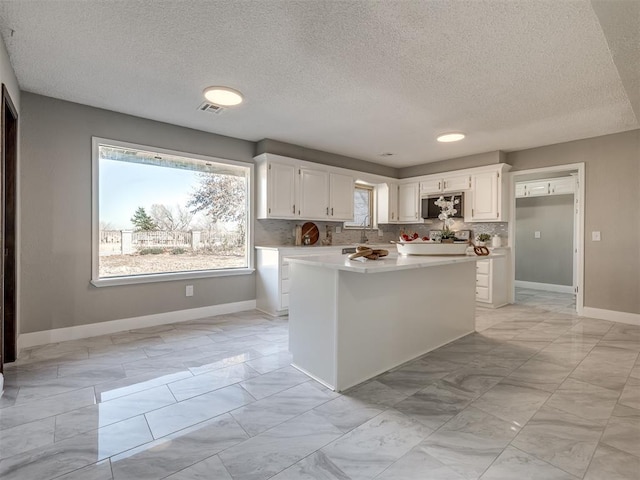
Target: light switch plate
189, 291
380, 233
338, 229
595, 236
536, 234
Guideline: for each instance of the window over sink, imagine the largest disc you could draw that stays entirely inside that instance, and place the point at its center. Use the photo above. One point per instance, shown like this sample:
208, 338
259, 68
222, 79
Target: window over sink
363, 202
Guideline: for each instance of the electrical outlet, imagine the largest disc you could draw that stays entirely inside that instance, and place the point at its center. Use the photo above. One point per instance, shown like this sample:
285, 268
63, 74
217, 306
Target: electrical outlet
380, 233
595, 236
536, 234
189, 291
338, 229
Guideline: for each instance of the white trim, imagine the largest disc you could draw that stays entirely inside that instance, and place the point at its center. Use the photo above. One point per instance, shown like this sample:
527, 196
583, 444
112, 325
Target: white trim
579, 219
612, 315
548, 287
169, 277
310, 375
1, 385
56, 335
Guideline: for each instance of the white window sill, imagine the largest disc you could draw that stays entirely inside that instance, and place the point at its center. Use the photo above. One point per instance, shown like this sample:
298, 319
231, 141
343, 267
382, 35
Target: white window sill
168, 277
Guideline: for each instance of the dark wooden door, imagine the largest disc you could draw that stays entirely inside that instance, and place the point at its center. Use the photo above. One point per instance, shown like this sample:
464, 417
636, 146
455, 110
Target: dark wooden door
9, 156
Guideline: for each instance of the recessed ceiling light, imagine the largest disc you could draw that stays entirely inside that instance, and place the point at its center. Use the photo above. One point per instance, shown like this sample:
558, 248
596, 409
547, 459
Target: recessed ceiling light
450, 137
223, 96
386, 154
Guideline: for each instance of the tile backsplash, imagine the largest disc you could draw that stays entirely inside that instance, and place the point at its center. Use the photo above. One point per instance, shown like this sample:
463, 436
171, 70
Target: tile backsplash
282, 232
500, 228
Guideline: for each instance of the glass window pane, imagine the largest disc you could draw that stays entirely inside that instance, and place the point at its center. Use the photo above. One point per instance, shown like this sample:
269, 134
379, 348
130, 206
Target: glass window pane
362, 207
164, 213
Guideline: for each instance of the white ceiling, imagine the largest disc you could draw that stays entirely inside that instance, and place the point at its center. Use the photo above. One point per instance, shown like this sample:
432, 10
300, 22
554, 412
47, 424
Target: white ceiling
356, 78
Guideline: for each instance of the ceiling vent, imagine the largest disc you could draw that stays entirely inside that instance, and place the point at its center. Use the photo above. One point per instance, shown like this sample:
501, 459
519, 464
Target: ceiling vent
211, 108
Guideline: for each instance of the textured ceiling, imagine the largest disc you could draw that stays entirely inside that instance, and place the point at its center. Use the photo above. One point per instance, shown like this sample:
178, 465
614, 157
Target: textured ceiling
356, 78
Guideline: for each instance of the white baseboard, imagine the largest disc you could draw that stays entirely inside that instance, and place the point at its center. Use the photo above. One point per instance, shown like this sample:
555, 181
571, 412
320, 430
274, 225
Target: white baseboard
1, 385
56, 335
612, 315
547, 287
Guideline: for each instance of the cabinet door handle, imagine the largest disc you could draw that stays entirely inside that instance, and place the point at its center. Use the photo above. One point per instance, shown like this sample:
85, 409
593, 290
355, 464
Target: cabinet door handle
439, 186
327, 210
392, 215
294, 209
332, 211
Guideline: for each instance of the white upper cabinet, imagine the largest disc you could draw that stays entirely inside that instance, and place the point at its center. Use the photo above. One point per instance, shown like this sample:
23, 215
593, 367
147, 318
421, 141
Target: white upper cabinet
287, 188
488, 198
445, 183
431, 185
314, 194
341, 196
409, 202
387, 202
544, 187
484, 204
538, 188
563, 186
276, 190
456, 183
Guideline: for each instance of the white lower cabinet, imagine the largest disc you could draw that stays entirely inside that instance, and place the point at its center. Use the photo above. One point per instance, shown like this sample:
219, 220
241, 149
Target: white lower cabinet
491, 282
272, 280
272, 274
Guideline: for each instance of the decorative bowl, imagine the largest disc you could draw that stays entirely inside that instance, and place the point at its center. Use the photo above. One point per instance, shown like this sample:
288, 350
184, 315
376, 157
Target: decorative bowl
417, 247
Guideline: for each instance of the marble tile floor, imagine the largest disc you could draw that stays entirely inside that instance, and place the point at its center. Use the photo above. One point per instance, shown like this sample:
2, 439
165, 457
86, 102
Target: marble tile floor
553, 301
536, 393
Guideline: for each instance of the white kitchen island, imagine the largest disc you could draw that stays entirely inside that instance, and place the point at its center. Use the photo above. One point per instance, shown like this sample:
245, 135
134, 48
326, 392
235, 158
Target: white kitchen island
350, 321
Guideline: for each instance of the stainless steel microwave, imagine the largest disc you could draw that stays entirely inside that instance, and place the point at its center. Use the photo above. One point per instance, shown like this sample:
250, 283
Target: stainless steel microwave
430, 210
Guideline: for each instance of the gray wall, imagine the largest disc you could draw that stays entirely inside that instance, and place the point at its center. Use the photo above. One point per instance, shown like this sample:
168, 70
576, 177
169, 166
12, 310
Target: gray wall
612, 189
55, 218
470, 161
548, 259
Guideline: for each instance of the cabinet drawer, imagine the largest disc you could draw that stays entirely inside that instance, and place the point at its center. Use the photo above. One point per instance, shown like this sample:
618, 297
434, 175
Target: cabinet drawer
482, 293
482, 267
285, 285
482, 280
284, 300
284, 272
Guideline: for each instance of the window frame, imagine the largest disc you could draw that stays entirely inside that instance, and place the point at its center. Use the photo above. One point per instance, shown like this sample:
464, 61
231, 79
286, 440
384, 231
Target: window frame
168, 276
373, 221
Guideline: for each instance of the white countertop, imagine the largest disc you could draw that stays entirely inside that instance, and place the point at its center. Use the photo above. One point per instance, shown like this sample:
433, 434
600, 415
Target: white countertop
319, 248
392, 263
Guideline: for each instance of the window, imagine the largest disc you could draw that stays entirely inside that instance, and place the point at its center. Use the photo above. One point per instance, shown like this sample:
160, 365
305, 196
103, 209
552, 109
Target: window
161, 215
362, 207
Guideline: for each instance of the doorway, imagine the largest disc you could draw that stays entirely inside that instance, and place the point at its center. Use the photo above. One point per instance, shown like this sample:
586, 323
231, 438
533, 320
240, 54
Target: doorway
8, 195
546, 230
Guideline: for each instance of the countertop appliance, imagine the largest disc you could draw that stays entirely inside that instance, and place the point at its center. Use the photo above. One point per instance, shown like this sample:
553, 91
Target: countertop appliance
430, 210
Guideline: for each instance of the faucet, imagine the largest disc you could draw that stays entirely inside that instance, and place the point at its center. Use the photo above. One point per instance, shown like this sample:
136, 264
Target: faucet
363, 236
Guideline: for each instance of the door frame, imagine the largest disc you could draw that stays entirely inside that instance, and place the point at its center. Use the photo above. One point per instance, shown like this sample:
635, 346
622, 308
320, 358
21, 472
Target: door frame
578, 257
8, 221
